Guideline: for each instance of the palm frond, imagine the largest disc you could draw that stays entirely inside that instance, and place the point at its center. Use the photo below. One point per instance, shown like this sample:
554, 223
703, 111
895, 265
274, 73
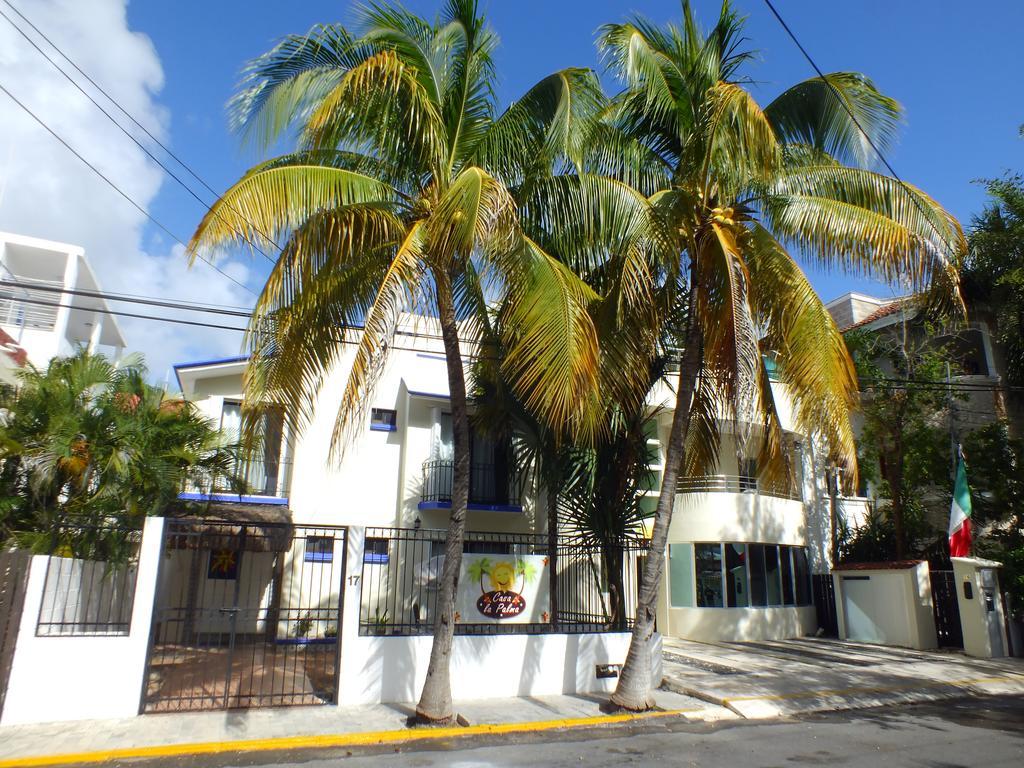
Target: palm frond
825, 113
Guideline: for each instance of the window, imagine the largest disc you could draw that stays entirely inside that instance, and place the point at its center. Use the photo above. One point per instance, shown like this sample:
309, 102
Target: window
383, 420
319, 549
736, 588
773, 576
709, 575
802, 576
758, 588
748, 475
786, 553
680, 573
376, 551
223, 565
486, 548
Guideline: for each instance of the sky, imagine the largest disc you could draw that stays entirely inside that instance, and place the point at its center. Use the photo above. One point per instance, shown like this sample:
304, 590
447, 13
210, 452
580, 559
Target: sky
173, 65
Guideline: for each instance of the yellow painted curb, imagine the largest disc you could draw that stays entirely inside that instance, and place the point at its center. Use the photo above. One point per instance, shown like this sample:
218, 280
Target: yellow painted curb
327, 740
879, 689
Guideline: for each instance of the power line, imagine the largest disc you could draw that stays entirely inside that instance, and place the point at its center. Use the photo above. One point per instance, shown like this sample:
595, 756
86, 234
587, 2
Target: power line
152, 302
856, 122
118, 313
116, 188
127, 114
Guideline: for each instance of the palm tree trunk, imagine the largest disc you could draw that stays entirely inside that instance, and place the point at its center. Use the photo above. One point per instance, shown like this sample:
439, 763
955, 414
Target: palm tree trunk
435, 704
633, 691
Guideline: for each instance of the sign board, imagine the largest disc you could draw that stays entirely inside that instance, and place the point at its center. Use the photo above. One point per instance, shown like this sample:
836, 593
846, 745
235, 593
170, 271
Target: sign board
503, 589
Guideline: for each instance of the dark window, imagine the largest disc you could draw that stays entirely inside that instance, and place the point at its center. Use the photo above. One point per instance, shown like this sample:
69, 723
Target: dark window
383, 420
736, 588
319, 549
709, 575
802, 574
786, 553
773, 575
486, 548
758, 587
223, 564
375, 551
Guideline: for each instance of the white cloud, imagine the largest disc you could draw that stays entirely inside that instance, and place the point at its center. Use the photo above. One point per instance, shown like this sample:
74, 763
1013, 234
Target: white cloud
46, 192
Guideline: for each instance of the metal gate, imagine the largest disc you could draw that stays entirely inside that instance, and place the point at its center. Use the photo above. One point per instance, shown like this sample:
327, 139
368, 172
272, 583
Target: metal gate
14, 565
246, 615
947, 610
824, 596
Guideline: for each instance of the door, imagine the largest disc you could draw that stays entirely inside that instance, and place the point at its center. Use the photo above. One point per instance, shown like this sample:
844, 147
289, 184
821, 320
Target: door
247, 615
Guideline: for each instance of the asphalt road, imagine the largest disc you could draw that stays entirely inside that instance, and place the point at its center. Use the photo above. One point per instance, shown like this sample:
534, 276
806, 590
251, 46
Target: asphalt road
984, 732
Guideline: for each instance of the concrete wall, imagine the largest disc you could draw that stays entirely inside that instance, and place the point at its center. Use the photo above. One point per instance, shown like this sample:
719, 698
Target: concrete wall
974, 612
888, 607
82, 677
730, 624
392, 669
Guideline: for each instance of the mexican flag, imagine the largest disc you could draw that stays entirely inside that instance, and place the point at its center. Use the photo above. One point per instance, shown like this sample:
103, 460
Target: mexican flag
960, 514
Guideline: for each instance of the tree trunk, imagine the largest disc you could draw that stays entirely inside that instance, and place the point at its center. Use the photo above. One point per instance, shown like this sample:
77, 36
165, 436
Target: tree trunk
612, 554
633, 691
435, 704
553, 551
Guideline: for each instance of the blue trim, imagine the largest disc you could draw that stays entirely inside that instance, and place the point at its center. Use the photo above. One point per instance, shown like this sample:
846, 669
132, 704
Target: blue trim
215, 361
428, 505
319, 557
383, 428
380, 558
202, 363
431, 357
279, 501
434, 395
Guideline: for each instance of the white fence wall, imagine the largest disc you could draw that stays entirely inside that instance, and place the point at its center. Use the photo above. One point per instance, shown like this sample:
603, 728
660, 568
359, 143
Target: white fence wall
82, 677
392, 669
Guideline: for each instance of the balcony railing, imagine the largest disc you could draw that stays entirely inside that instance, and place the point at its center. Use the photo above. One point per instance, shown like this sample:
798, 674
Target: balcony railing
254, 478
489, 484
738, 484
17, 307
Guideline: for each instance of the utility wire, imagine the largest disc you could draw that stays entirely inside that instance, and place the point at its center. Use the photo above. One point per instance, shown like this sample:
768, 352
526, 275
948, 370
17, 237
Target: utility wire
141, 127
116, 188
871, 142
152, 302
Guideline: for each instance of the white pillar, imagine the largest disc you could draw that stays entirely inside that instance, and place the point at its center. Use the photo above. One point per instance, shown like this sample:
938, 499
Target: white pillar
97, 333
60, 323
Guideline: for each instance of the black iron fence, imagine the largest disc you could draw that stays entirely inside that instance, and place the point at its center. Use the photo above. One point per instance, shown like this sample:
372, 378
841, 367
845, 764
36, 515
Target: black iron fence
948, 631
588, 587
824, 593
490, 484
90, 581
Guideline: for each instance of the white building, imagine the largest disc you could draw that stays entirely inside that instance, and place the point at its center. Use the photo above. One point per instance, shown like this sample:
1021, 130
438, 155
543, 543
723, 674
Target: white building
740, 555
46, 304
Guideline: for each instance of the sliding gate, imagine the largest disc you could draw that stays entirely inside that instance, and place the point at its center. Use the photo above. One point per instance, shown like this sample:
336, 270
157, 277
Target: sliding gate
246, 615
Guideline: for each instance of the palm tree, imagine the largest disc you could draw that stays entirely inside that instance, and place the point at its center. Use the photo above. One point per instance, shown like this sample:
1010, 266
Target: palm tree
402, 195
87, 442
734, 185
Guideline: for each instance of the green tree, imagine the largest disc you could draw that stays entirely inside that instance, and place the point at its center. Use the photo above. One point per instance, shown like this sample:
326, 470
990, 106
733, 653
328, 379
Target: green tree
994, 270
404, 193
905, 441
87, 441
734, 185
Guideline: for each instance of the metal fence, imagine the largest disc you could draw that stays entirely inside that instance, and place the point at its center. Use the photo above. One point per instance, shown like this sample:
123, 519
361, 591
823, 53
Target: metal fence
738, 484
90, 582
591, 588
489, 484
824, 592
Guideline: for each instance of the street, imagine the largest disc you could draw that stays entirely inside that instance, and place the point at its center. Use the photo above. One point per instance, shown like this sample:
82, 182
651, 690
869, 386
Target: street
967, 732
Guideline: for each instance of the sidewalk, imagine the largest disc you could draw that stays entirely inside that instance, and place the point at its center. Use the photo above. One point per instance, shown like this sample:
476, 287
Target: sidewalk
778, 679
197, 733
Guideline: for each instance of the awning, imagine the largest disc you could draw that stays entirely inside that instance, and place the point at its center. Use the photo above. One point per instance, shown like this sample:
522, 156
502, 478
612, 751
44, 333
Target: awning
219, 525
